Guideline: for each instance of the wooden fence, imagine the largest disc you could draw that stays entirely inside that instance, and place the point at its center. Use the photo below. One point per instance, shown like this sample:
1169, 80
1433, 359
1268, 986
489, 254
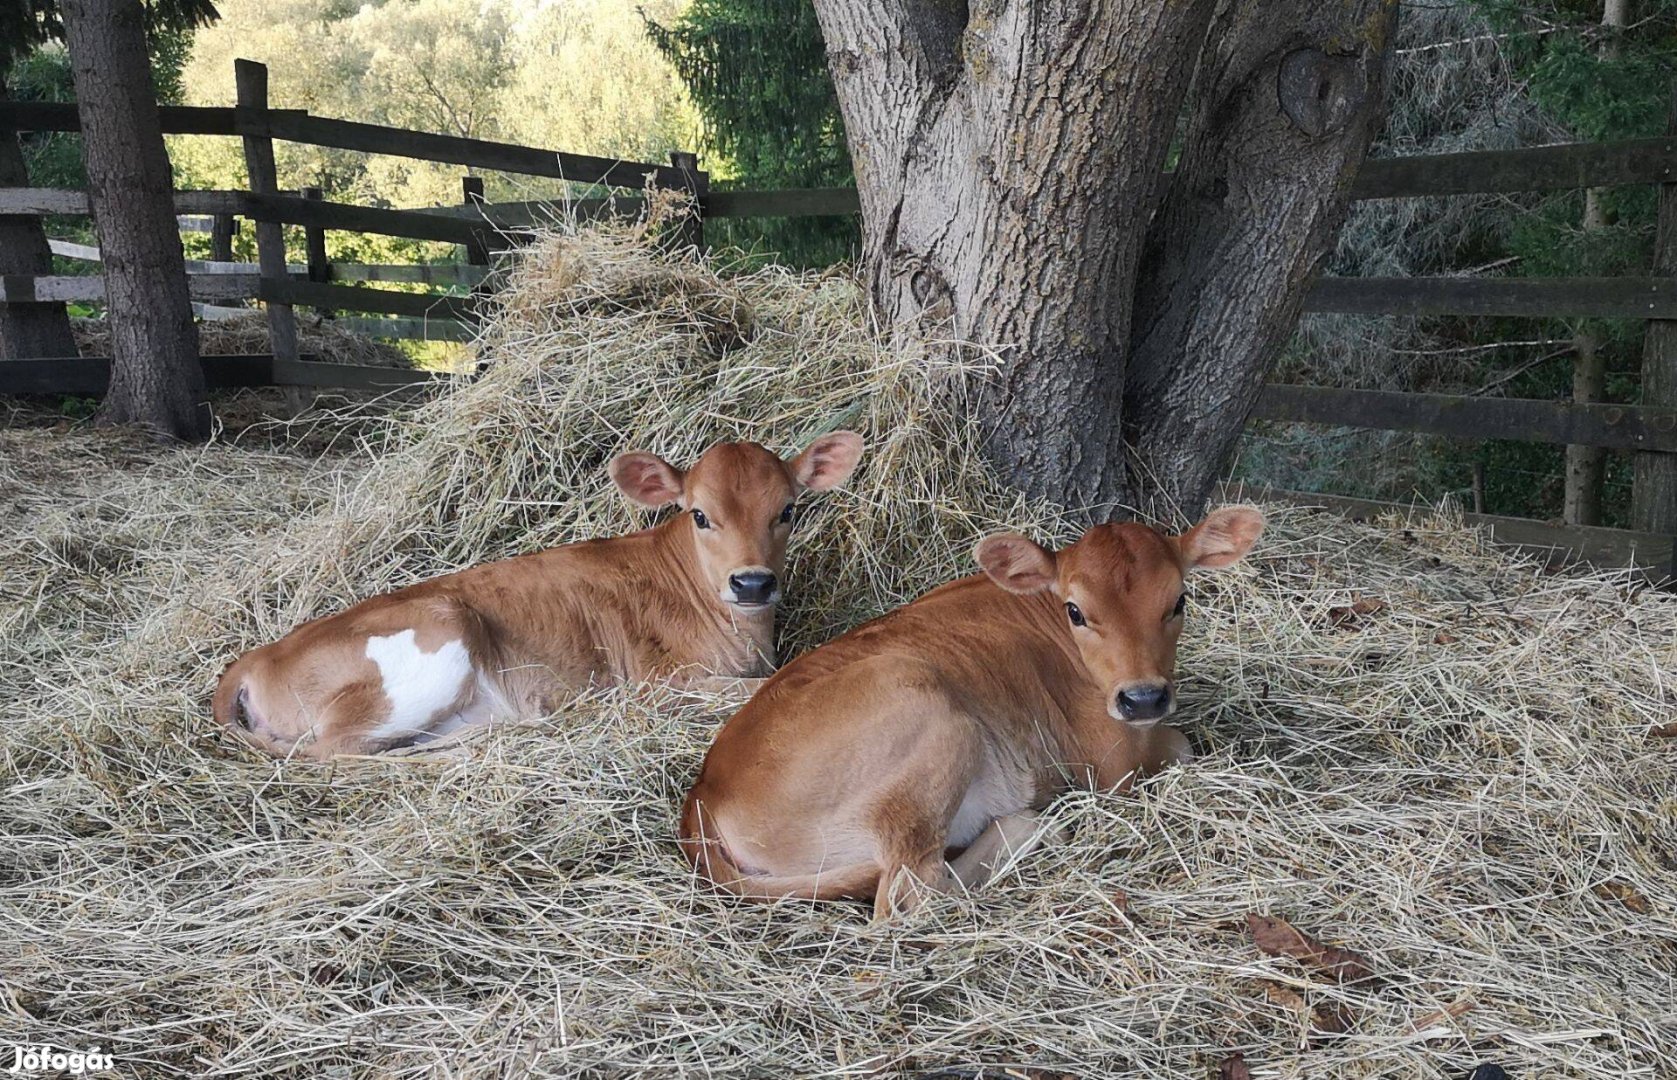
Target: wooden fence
1650, 430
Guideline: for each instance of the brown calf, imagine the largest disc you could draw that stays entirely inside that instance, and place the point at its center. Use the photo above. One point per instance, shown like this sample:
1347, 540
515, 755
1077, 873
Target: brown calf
947, 724
688, 599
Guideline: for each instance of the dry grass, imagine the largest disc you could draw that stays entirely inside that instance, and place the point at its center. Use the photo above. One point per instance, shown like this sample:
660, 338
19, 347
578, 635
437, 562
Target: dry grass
1457, 781
245, 335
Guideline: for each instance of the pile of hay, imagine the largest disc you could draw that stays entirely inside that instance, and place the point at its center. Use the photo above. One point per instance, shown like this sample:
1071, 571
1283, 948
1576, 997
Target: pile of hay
1415, 746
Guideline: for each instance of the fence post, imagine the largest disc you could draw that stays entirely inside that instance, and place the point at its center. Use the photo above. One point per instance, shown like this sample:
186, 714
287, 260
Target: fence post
471, 195
223, 229
315, 241
691, 232
251, 114
1654, 490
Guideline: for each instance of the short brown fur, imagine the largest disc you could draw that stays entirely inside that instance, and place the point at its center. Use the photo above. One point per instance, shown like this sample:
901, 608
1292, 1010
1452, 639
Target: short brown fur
947, 724
650, 605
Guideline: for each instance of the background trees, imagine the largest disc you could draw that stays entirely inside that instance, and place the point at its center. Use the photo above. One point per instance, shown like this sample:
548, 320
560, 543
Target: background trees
580, 76
757, 73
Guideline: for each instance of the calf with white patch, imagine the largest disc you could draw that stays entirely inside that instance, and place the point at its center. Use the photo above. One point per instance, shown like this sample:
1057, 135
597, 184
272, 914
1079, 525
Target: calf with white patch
689, 600
916, 751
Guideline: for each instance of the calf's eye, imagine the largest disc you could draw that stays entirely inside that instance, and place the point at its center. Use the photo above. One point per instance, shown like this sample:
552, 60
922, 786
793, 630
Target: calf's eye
786, 515
1181, 606
699, 518
1075, 614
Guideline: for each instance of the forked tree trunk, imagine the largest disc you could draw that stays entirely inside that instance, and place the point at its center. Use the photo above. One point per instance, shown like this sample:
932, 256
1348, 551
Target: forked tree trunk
27, 331
155, 377
1008, 158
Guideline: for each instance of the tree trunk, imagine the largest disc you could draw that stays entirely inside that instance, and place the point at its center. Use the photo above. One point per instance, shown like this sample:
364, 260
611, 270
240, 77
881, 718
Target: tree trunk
156, 380
1283, 112
27, 331
1008, 161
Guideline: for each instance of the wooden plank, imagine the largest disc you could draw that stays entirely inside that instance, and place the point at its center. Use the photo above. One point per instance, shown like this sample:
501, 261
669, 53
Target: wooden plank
314, 242
808, 202
516, 217
1619, 427
472, 200
1654, 481
1531, 168
92, 374
408, 329
690, 230
357, 298
223, 228
1620, 297
351, 376
216, 313
476, 153
38, 202
89, 253
251, 82
413, 224
208, 202
24, 288
282, 209
70, 250
1593, 544
176, 119
426, 274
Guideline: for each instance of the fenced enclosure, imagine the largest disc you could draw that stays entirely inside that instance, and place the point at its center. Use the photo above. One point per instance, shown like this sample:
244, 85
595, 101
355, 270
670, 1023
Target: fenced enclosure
481, 229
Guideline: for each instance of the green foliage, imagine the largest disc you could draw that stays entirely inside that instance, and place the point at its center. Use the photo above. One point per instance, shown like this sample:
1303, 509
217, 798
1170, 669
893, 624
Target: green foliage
578, 76
26, 25
757, 71
54, 158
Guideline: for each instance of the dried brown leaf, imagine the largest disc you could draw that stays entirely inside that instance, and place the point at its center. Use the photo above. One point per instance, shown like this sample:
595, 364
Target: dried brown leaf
1233, 1067
1329, 1018
1449, 1012
1278, 937
1349, 615
1624, 894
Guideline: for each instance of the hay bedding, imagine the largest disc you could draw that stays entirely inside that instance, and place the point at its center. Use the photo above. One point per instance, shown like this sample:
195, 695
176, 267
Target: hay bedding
1415, 747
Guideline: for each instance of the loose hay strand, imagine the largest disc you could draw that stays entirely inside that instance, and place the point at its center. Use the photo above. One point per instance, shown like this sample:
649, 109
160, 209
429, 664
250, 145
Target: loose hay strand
1457, 784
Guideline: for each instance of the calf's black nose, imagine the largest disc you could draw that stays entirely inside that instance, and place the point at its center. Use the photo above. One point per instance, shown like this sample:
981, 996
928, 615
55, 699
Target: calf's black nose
1144, 702
752, 587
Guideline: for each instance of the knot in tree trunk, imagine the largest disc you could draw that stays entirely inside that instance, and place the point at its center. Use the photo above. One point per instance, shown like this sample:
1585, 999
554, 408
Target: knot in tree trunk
1320, 93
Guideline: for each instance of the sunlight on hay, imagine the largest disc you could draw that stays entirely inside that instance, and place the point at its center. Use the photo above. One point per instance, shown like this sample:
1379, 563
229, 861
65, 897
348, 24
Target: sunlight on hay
1454, 777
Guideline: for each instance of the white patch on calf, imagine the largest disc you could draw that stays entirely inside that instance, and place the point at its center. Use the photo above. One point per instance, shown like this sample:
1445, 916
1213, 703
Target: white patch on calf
420, 685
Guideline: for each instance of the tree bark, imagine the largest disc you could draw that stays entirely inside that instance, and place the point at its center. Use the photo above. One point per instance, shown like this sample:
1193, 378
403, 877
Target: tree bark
156, 380
27, 331
1283, 112
1008, 160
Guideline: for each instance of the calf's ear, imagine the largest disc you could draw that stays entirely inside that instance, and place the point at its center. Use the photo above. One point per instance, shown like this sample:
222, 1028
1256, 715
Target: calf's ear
1225, 535
827, 462
646, 479
1016, 563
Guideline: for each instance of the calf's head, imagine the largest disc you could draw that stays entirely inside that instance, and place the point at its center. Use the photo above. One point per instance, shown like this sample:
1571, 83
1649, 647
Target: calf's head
739, 500
1122, 590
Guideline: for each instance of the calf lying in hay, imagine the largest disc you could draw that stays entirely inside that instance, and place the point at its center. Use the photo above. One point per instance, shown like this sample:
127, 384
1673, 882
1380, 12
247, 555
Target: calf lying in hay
1412, 746
948, 724
690, 600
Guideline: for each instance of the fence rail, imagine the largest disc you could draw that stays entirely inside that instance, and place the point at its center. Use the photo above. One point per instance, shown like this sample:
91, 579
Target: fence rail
482, 228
